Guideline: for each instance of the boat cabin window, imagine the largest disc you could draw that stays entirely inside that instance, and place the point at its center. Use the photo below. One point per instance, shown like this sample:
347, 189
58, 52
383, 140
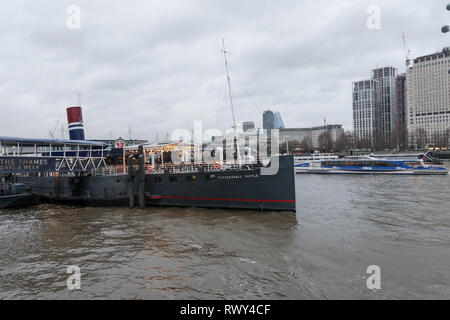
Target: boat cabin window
157, 179
413, 164
173, 179
192, 178
355, 163
210, 177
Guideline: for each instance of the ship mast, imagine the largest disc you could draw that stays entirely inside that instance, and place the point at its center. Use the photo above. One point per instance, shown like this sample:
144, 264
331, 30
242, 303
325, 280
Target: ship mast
225, 52
236, 144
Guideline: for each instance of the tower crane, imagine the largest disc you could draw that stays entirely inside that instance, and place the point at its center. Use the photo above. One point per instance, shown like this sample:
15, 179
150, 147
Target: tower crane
52, 132
407, 52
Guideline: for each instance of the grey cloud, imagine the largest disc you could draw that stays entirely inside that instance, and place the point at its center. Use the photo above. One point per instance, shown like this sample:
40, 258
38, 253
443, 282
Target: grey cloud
157, 65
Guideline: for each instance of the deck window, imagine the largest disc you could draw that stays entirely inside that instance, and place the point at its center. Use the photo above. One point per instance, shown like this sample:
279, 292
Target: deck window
157, 179
210, 177
192, 178
173, 179
358, 164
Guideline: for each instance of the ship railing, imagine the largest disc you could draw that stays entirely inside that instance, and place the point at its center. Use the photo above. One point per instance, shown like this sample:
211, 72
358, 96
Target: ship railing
193, 168
111, 171
169, 168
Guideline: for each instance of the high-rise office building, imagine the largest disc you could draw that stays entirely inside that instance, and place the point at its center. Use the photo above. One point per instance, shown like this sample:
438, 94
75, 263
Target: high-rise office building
278, 121
402, 132
375, 114
366, 118
428, 100
268, 121
387, 99
272, 120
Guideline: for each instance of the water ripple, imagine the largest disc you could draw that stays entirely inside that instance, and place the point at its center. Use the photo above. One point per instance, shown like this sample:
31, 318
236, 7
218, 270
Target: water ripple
343, 225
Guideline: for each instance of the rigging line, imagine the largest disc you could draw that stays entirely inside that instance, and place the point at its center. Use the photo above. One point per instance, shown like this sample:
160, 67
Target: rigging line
246, 91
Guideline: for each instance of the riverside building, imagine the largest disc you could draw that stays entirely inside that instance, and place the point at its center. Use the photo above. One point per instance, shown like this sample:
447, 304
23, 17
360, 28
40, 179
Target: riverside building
366, 119
375, 111
428, 100
335, 131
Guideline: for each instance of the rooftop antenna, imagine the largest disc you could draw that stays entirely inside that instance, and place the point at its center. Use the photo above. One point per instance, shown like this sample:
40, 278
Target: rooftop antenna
225, 52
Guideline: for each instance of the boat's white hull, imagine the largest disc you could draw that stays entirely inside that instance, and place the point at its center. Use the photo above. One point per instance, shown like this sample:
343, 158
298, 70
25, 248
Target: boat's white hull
339, 171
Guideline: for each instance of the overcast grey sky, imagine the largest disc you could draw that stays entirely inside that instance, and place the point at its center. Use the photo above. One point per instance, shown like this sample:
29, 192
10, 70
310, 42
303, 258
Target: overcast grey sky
157, 65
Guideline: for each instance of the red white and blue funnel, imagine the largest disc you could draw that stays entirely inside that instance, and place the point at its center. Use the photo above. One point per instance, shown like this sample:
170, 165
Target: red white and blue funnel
75, 120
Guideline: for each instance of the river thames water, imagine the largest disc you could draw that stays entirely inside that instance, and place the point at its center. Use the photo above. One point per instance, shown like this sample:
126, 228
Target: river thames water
343, 225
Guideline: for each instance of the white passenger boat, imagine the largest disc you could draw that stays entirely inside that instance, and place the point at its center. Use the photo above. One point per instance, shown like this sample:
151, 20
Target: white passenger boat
368, 165
315, 157
426, 157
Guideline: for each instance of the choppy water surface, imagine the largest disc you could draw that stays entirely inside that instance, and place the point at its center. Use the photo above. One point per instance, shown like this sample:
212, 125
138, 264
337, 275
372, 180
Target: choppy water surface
343, 225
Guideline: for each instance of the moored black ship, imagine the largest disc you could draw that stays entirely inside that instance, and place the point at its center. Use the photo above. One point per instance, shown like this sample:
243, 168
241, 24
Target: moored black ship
82, 172
240, 188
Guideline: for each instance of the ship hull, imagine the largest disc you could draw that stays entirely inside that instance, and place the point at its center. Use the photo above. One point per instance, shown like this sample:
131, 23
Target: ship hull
234, 189
17, 200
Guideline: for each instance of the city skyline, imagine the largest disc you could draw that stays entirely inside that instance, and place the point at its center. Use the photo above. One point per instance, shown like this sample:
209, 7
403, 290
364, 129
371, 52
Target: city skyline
301, 65
410, 110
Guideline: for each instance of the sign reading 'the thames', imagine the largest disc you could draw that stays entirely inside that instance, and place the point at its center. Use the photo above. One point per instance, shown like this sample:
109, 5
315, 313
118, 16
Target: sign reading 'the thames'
26, 164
